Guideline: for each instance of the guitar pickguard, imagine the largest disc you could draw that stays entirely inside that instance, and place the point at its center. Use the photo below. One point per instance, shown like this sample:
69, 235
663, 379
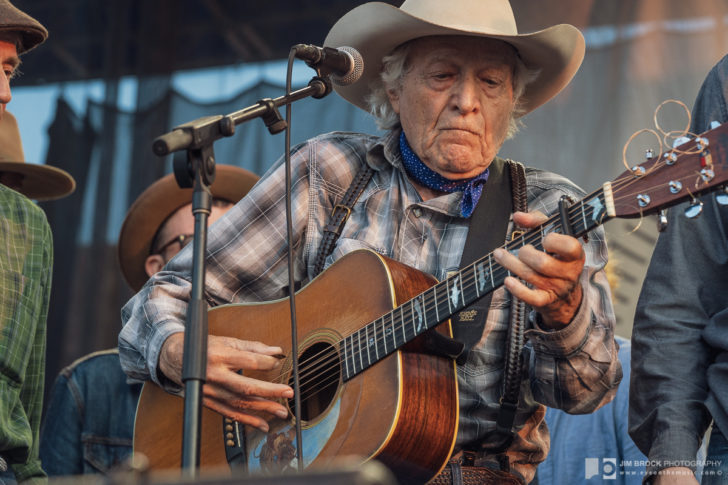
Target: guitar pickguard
275, 451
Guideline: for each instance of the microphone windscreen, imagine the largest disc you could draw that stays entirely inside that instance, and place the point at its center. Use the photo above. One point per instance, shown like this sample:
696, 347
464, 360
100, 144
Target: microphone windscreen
356, 71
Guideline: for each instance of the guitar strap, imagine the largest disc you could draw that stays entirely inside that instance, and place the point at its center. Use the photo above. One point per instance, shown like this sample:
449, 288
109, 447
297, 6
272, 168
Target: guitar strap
340, 214
488, 230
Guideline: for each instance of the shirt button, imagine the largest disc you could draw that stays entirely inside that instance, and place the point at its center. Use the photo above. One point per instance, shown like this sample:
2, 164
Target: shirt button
417, 212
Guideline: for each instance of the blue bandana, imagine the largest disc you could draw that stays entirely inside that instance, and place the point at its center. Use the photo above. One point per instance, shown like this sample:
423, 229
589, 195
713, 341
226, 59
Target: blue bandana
471, 188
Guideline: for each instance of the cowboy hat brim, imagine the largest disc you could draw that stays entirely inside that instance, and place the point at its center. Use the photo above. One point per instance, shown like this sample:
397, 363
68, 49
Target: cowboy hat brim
41, 182
375, 29
159, 201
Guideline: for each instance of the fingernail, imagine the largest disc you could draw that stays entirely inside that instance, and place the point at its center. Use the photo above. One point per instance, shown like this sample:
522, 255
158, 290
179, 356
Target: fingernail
282, 413
288, 394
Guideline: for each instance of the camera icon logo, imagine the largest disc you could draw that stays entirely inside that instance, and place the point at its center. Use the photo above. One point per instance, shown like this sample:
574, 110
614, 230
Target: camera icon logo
606, 468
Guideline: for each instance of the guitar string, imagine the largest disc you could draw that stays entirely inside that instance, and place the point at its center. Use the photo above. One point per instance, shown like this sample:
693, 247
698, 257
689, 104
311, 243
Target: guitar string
324, 357
329, 356
468, 282
467, 279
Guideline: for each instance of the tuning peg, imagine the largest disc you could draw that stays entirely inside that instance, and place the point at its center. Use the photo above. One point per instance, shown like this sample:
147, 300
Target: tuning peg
662, 220
694, 209
722, 197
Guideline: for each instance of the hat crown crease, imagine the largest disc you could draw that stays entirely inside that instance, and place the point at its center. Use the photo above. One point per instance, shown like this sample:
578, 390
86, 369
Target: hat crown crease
469, 16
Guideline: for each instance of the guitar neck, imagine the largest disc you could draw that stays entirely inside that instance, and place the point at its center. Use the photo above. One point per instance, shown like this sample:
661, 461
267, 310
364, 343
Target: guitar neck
391, 331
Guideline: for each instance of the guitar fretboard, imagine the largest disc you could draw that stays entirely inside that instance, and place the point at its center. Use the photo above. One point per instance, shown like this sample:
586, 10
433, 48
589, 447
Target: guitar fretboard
383, 336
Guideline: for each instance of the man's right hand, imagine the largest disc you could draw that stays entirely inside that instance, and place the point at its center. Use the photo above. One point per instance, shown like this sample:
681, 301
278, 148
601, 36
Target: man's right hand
225, 391
676, 475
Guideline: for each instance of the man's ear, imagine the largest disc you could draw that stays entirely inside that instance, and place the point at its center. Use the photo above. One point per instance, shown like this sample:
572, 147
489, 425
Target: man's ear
153, 264
393, 96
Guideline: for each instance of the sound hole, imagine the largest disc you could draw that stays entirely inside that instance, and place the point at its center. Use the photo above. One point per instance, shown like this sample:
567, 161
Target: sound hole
319, 374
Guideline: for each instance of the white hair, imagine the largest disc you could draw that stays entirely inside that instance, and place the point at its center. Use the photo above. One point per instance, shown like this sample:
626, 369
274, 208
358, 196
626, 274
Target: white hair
394, 67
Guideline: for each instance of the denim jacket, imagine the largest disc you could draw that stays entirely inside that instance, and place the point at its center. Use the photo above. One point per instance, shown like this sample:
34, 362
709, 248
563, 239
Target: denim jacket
89, 423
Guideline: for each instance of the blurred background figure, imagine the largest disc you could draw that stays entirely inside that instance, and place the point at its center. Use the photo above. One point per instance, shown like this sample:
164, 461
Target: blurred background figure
26, 264
89, 422
680, 340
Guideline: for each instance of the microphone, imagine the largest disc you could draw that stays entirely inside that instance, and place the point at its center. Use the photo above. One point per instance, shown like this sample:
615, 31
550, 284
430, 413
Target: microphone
344, 64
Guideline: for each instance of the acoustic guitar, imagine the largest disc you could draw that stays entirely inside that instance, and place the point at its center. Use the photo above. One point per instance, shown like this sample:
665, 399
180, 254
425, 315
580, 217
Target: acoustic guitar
369, 386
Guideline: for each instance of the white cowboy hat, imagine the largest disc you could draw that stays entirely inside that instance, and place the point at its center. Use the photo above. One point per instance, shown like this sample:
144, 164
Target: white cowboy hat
375, 29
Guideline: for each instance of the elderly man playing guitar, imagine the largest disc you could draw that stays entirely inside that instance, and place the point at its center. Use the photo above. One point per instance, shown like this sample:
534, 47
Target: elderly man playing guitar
449, 81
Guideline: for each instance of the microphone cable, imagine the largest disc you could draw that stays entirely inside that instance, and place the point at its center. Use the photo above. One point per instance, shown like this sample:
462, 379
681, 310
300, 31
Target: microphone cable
291, 279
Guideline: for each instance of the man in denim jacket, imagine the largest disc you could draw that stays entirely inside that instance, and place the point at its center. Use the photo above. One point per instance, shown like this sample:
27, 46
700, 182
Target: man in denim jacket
89, 423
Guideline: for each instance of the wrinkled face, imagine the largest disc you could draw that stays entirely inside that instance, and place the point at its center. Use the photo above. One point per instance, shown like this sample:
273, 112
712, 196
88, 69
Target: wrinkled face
10, 61
455, 102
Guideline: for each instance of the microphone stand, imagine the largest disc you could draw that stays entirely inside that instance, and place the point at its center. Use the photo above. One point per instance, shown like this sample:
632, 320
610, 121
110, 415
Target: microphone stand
198, 171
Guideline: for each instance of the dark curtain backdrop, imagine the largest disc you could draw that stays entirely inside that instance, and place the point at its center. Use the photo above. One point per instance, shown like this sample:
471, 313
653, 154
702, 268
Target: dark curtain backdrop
109, 153
639, 53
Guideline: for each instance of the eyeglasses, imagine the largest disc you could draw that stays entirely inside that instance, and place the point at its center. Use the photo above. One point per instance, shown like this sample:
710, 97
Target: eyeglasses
182, 239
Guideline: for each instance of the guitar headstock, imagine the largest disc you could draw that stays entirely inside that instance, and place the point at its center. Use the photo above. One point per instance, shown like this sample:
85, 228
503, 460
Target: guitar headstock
693, 168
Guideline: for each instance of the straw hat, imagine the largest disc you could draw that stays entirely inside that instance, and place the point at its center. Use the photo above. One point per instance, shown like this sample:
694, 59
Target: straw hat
375, 29
32, 33
40, 182
159, 201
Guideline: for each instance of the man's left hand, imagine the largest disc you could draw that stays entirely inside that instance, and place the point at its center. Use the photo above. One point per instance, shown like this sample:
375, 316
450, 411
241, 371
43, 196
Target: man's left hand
553, 276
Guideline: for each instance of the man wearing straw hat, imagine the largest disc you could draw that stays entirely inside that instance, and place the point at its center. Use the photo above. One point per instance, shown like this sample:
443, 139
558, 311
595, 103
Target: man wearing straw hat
89, 420
26, 260
449, 81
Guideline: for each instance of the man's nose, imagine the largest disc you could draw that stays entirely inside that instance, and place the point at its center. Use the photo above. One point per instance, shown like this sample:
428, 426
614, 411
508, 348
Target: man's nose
465, 95
5, 95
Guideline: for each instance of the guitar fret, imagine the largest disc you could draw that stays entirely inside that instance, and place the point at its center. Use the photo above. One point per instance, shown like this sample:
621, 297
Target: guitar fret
449, 307
346, 360
394, 329
401, 324
366, 337
490, 269
431, 316
425, 320
361, 361
437, 310
475, 280
470, 290
583, 217
353, 354
412, 318
462, 292
384, 336
376, 341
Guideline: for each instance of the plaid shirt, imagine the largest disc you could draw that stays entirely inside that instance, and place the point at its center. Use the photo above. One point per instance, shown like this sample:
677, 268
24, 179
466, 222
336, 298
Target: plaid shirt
574, 369
26, 261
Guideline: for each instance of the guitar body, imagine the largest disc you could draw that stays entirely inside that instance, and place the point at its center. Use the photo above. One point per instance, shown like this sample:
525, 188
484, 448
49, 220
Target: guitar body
403, 410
